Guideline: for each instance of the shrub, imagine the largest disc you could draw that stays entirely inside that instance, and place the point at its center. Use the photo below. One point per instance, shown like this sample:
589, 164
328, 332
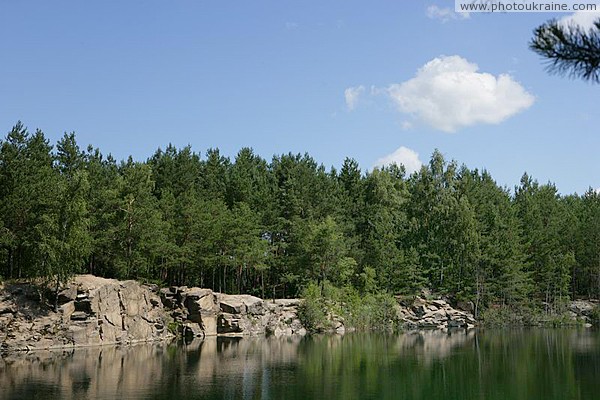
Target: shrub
312, 311
362, 311
174, 327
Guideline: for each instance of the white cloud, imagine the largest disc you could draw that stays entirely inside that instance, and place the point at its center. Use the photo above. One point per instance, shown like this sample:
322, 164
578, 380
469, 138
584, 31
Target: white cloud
445, 14
597, 190
406, 125
448, 93
583, 19
351, 95
402, 156
291, 25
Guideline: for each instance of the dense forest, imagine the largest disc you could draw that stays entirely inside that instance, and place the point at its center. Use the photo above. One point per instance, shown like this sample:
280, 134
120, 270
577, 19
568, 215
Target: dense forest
270, 227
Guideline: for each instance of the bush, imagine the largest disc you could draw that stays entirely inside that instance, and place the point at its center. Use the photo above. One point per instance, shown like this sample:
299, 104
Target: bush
174, 327
374, 312
312, 311
503, 316
524, 316
360, 311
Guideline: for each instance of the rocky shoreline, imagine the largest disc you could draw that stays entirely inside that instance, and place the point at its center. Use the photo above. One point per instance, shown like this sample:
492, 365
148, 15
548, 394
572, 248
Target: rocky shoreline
420, 313
201, 312
95, 311
92, 311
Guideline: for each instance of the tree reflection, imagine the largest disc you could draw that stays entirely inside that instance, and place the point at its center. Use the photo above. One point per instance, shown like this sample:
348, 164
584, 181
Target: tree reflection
549, 364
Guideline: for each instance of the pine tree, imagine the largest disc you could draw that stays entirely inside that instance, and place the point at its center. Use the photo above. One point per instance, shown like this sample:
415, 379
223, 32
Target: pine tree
549, 262
29, 199
139, 227
71, 238
105, 183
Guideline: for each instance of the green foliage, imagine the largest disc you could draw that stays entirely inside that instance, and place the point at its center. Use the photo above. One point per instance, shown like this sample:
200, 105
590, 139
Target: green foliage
370, 312
345, 240
368, 280
506, 317
527, 316
595, 316
174, 327
312, 311
322, 303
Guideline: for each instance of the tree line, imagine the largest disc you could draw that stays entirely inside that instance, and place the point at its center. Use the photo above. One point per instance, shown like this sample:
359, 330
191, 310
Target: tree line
269, 228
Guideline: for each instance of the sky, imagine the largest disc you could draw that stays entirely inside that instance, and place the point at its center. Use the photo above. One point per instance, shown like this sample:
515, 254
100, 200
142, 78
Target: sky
378, 81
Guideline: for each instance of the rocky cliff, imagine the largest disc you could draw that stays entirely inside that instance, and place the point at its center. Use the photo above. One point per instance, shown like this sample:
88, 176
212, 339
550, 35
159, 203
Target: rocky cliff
96, 311
92, 311
420, 313
201, 312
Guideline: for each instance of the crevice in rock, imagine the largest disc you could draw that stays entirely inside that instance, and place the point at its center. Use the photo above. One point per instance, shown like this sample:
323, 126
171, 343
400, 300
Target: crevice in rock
109, 321
122, 308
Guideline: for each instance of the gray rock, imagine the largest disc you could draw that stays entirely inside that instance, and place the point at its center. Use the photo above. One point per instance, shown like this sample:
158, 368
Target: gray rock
439, 303
79, 316
198, 301
457, 323
582, 308
7, 309
467, 306
228, 323
232, 304
67, 295
432, 314
191, 330
101, 311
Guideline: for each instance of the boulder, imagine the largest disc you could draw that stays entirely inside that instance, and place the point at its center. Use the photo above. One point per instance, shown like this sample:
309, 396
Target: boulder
467, 306
439, 303
202, 299
457, 323
232, 304
582, 308
191, 330
66, 295
198, 301
432, 314
79, 316
67, 310
254, 305
228, 323
241, 304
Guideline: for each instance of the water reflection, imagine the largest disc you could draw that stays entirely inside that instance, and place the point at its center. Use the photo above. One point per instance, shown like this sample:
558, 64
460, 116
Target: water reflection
549, 364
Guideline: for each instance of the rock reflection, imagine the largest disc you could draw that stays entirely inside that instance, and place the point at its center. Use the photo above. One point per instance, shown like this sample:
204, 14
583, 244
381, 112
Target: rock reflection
83, 373
224, 356
432, 345
430, 364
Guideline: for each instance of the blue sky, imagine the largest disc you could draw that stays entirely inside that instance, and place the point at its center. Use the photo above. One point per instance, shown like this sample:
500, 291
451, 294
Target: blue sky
332, 78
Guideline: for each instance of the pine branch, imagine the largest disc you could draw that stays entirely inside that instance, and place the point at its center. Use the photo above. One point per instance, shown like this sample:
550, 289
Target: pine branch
569, 51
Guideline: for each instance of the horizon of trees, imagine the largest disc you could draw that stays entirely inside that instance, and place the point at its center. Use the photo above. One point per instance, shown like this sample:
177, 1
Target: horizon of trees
269, 228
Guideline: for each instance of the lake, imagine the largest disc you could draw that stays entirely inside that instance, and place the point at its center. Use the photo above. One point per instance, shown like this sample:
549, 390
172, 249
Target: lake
488, 364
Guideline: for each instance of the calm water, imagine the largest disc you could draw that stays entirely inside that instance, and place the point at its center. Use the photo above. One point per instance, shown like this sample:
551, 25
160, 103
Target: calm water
540, 364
